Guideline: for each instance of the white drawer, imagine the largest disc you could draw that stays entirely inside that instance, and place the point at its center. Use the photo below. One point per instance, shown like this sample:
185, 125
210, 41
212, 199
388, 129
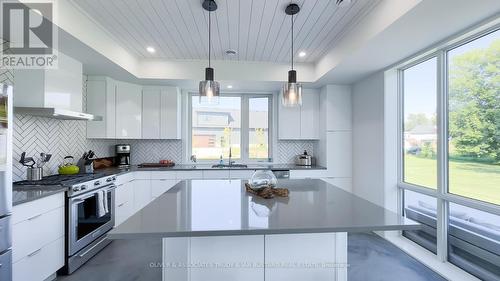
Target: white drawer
158, 187
123, 211
187, 175
124, 178
223, 174
241, 174
163, 175
142, 175
35, 232
29, 209
41, 263
124, 193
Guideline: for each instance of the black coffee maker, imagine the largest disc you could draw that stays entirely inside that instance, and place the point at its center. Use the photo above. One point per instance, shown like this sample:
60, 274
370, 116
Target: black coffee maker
122, 155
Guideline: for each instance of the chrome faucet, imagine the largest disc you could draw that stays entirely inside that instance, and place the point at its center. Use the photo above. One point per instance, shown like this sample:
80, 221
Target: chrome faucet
230, 156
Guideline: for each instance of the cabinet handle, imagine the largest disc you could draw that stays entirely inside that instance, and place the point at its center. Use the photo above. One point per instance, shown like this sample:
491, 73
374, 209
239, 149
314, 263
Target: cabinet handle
35, 252
122, 204
34, 217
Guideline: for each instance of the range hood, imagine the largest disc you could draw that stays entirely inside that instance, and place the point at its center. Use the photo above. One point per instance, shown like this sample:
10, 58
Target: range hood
56, 113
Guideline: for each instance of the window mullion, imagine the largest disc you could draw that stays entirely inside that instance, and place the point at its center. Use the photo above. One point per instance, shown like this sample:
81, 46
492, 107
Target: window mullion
244, 134
442, 159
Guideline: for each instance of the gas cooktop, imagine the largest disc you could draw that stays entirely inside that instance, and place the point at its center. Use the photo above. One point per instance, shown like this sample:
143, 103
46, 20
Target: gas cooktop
64, 180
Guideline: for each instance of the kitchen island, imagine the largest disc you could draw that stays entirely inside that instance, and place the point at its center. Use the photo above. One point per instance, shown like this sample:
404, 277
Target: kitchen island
215, 230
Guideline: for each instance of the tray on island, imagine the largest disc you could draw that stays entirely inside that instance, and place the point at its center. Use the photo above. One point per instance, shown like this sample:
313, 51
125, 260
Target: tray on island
156, 165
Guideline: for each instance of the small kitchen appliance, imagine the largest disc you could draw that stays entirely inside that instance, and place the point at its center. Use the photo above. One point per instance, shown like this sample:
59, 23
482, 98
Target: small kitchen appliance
122, 155
304, 159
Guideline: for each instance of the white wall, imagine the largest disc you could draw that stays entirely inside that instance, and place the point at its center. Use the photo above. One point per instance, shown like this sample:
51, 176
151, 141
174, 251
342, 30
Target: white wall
368, 138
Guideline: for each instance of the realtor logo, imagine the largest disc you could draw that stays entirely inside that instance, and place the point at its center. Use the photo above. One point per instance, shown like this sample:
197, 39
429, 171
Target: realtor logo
29, 35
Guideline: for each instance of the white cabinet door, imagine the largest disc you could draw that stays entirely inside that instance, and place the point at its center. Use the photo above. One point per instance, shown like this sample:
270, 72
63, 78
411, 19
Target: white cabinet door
300, 122
101, 102
161, 113
142, 194
288, 122
317, 253
170, 113
338, 108
128, 111
151, 114
339, 154
309, 115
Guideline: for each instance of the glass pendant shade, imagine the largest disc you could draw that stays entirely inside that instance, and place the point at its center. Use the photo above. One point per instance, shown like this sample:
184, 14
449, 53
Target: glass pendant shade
292, 91
209, 92
292, 95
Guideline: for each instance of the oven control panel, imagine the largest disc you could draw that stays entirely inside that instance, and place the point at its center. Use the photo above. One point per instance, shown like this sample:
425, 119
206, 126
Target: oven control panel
91, 185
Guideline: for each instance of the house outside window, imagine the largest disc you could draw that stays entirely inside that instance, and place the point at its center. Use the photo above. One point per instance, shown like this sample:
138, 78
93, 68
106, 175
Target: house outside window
240, 123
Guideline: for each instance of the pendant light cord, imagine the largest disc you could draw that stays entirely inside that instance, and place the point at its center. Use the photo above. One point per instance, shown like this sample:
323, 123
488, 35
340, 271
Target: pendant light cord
292, 42
209, 37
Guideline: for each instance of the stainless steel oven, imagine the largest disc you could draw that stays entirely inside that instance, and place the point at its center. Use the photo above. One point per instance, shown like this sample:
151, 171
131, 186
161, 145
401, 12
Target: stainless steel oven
90, 215
85, 224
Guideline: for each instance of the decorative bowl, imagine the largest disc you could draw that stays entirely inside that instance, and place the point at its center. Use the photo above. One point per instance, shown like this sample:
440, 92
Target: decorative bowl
262, 179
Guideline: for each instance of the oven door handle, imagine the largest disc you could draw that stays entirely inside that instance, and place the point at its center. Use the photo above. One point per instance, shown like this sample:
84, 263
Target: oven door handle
77, 201
111, 188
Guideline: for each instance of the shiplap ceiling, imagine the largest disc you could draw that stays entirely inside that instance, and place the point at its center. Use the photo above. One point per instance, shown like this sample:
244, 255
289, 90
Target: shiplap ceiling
259, 30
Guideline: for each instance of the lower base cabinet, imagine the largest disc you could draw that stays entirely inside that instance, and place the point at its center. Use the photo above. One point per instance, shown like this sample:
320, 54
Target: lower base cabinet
38, 238
41, 263
158, 187
142, 194
124, 202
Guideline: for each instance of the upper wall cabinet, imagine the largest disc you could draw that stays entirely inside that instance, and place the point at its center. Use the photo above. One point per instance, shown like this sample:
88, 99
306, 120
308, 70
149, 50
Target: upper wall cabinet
161, 113
101, 98
128, 111
59, 88
131, 111
300, 123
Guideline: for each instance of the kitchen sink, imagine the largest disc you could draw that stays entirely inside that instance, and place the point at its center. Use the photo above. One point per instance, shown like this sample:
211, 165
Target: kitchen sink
230, 166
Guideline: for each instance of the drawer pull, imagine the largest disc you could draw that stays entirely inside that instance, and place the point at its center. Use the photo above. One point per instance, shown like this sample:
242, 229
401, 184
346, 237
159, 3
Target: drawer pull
34, 217
120, 205
35, 252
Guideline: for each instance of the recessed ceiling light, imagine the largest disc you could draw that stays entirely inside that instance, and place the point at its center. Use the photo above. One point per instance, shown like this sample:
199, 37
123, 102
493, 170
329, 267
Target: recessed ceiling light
150, 49
302, 54
229, 86
231, 53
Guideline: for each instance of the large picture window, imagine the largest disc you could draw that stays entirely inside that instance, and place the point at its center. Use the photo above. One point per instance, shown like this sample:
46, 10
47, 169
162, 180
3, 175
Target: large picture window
474, 119
450, 152
239, 122
420, 135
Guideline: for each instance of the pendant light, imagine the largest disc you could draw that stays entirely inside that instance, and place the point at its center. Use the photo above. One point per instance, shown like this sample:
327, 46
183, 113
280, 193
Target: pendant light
292, 91
209, 89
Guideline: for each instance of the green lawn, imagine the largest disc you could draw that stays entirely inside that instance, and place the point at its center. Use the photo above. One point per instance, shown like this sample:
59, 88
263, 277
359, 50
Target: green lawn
469, 179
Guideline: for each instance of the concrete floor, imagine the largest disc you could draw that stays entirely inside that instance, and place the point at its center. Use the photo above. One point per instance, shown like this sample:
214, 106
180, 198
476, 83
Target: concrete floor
371, 258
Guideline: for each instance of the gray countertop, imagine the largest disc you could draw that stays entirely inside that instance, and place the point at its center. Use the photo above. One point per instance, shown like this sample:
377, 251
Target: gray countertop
24, 194
223, 207
208, 167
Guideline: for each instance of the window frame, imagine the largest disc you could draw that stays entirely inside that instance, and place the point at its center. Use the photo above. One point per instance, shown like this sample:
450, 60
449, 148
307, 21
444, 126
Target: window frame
441, 194
244, 133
